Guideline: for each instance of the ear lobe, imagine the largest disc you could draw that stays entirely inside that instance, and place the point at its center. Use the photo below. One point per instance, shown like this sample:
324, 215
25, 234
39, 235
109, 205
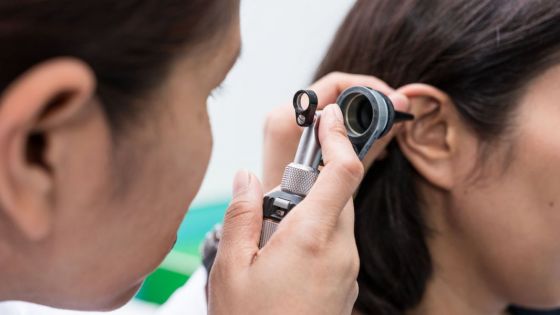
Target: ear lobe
428, 141
44, 98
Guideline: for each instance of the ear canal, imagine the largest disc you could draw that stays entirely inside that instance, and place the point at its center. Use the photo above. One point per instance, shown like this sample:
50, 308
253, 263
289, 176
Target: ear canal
37, 142
36, 146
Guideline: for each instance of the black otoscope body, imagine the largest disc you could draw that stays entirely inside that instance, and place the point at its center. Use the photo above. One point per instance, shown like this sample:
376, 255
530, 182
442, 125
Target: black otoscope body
368, 115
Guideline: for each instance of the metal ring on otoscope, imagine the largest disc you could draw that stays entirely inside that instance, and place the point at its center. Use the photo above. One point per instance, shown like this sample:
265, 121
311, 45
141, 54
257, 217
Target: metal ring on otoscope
381, 110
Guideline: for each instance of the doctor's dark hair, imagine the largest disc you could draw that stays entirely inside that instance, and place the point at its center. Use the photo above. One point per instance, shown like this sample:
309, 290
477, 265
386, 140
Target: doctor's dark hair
129, 44
482, 53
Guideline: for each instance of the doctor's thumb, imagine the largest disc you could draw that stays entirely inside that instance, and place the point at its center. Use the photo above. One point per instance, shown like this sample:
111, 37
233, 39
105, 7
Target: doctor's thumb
243, 220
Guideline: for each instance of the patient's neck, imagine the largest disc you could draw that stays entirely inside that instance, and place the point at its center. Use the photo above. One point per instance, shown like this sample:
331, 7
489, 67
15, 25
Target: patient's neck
457, 285
444, 297
11, 285
8, 283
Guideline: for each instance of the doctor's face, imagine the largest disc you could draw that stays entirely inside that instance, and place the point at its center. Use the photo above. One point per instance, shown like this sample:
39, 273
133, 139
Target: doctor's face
119, 197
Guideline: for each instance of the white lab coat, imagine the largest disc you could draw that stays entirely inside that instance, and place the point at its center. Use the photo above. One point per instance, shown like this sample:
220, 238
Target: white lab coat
188, 300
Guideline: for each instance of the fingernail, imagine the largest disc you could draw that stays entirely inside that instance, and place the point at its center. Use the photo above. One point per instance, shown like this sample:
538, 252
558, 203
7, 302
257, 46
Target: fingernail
335, 111
241, 182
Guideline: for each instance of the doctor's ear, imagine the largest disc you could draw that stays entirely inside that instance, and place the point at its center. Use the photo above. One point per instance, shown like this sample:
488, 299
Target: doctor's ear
431, 141
36, 112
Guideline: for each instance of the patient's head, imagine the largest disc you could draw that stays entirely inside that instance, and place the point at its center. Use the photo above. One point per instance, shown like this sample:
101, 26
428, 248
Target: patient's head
467, 196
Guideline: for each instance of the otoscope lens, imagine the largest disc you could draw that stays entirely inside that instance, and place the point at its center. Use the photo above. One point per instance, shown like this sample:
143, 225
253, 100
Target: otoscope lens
359, 114
365, 115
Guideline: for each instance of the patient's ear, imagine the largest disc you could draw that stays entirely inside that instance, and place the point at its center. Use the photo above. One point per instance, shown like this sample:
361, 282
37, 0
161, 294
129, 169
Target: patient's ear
34, 109
430, 141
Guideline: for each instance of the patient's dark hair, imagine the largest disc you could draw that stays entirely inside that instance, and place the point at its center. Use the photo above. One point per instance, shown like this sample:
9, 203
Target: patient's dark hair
482, 53
129, 44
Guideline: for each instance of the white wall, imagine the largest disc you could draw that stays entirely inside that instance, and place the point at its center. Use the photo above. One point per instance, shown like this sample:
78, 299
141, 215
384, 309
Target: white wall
283, 43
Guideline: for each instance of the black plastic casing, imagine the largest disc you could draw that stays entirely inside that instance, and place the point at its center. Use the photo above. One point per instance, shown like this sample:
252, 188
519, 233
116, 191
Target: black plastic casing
274, 212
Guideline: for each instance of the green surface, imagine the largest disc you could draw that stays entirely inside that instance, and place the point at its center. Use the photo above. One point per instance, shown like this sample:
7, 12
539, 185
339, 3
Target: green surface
159, 286
185, 258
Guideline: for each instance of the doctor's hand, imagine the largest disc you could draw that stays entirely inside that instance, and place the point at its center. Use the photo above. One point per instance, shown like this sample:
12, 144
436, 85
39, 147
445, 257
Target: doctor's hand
310, 264
281, 135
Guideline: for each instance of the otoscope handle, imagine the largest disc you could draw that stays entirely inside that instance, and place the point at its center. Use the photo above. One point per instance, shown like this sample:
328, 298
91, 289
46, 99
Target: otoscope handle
296, 183
299, 176
298, 179
276, 206
268, 228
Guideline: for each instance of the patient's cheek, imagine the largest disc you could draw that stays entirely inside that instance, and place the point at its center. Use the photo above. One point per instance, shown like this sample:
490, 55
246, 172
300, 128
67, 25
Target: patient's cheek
539, 145
539, 156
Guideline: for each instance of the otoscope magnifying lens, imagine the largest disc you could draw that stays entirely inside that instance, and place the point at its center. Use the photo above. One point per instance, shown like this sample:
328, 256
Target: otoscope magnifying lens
365, 115
305, 104
303, 101
359, 114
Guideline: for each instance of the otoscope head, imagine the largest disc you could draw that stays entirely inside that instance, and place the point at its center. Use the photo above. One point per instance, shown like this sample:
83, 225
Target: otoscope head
368, 115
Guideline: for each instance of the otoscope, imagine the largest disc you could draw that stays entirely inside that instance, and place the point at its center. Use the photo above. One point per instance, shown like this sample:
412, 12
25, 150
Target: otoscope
368, 115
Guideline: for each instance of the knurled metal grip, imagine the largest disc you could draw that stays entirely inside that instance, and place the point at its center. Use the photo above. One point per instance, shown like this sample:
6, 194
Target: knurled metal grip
268, 228
296, 183
298, 179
